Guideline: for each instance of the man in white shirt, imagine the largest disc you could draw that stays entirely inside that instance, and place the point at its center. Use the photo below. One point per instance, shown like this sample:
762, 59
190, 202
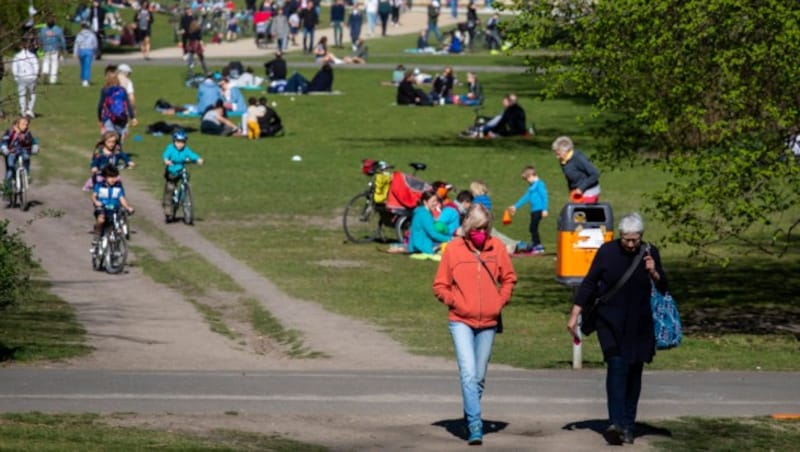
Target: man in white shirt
25, 68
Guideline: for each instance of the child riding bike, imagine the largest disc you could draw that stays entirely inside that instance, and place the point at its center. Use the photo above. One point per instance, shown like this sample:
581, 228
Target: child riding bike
176, 155
18, 139
107, 196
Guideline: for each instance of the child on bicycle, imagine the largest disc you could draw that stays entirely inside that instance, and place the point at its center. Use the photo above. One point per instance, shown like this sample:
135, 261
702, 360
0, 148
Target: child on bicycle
15, 140
536, 197
107, 196
107, 151
176, 155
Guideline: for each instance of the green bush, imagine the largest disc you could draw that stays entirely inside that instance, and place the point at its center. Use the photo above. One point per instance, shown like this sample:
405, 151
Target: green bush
16, 263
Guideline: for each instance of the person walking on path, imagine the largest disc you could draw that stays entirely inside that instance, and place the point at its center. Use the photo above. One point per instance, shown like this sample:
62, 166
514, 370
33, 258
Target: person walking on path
371, 7
25, 68
97, 20
337, 18
355, 21
54, 46
474, 280
85, 48
186, 21
384, 9
624, 322
309, 20
583, 179
144, 23
397, 5
433, 21
280, 28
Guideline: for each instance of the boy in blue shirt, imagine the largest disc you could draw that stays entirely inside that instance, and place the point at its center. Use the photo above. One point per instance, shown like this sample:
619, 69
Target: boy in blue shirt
176, 155
536, 196
107, 196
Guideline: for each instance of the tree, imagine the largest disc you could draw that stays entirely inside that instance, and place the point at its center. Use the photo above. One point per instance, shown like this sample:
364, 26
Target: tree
709, 87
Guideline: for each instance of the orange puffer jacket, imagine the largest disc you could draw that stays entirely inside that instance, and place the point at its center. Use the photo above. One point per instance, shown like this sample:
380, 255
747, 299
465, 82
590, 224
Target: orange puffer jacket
463, 284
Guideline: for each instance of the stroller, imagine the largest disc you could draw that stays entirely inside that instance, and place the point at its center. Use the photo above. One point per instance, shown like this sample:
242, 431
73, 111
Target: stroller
262, 21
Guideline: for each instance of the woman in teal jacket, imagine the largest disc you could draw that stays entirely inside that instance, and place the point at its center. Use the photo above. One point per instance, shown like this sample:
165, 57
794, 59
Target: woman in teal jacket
423, 236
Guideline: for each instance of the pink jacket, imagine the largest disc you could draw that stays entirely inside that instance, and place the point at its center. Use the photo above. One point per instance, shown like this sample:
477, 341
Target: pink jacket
463, 284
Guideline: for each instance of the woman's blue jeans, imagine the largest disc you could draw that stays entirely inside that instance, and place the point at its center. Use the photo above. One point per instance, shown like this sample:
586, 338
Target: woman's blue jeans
473, 350
623, 386
86, 56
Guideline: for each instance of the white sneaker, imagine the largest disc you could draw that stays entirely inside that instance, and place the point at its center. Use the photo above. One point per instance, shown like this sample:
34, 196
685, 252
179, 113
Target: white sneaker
30, 114
85, 83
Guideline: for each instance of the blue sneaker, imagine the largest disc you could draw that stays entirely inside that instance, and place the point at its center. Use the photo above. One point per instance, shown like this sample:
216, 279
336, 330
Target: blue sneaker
475, 434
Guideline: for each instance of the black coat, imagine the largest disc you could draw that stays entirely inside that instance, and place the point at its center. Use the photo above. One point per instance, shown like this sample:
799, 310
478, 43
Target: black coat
276, 69
322, 81
512, 122
624, 322
406, 93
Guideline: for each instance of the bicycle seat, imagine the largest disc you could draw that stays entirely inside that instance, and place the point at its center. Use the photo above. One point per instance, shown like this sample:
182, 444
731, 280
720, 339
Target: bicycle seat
419, 166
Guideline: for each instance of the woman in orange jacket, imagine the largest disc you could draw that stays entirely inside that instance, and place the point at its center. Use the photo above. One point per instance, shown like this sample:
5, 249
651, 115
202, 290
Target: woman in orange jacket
474, 280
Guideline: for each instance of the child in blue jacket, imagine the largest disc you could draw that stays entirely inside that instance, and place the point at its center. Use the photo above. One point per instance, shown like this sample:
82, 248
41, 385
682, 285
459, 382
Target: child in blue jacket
536, 196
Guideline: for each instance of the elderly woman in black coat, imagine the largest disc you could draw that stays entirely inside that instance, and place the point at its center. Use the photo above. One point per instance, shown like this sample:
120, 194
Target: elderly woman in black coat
624, 322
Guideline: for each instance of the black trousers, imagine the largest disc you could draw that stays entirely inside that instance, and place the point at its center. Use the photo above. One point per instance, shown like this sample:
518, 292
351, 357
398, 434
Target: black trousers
536, 218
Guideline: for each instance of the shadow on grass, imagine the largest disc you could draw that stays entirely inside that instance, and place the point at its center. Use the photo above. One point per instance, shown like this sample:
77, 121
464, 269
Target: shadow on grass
454, 140
599, 426
458, 428
754, 296
748, 297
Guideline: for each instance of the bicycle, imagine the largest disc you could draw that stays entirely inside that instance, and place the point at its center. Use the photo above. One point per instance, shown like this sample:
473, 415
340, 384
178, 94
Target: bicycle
364, 219
111, 251
20, 185
180, 197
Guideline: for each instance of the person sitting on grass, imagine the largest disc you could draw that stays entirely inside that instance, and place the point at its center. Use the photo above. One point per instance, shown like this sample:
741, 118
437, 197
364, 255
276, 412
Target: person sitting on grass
175, 157
108, 195
270, 123
359, 55
409, 94
214, 122
474, 95
443, 86
321, 54
323, 80
510, 122
424, 237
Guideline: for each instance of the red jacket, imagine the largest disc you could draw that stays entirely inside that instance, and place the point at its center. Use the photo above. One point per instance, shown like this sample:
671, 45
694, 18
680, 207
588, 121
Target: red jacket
463, 284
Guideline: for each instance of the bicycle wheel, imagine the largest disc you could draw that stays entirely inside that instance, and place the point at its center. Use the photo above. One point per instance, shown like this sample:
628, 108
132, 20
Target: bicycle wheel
401, 226
116, 254
187, 203
22, 196
360, 221
98, 254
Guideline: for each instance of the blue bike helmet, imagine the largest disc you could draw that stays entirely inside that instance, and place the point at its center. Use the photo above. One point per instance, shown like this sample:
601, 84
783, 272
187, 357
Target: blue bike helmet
179, 135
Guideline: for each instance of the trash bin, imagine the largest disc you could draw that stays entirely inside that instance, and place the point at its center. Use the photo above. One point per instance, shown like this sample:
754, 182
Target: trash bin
582, 228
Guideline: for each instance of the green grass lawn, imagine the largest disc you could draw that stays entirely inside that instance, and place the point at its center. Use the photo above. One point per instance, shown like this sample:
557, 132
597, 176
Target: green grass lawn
91, 432
43, 327
284, 218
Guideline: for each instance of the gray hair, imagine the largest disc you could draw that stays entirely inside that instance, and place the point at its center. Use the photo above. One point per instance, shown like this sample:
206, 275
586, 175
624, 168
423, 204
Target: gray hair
631, 223
477, 217
563, 144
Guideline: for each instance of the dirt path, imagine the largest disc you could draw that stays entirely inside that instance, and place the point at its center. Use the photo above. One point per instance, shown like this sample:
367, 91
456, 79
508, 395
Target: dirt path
135, 323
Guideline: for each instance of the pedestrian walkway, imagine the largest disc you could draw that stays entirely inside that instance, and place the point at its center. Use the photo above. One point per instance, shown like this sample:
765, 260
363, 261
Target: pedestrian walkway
411, 23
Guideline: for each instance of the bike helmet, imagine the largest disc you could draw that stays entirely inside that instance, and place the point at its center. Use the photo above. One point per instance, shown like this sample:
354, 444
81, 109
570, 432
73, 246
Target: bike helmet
179, 135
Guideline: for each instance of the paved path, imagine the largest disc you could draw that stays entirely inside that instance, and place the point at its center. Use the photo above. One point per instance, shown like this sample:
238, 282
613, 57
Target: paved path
394, 410
411, 23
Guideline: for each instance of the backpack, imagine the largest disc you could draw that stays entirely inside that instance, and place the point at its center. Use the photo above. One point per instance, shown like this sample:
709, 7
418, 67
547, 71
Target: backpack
666, 320
115, 106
